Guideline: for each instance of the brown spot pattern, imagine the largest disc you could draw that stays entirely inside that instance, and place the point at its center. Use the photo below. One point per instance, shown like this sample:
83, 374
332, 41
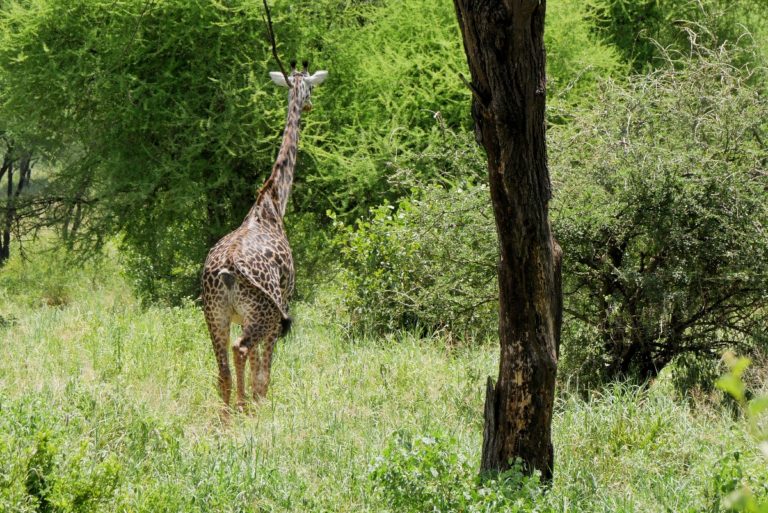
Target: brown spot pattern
248, 277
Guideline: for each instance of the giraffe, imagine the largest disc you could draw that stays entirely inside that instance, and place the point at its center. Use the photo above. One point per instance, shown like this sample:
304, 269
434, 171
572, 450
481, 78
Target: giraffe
248, 275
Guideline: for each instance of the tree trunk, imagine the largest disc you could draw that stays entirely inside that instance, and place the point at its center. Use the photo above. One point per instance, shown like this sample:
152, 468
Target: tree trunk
504, 44
5, 238
12, 196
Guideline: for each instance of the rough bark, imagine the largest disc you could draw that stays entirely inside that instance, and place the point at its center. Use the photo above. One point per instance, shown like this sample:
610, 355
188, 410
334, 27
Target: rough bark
504, 44
5, 237
24, 163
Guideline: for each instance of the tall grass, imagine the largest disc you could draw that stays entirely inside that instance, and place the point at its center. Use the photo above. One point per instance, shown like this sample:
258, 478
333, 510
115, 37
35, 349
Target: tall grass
107, 406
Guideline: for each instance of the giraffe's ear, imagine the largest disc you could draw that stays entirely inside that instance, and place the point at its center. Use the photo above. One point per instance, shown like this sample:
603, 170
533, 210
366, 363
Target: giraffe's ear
278, 78
317, 77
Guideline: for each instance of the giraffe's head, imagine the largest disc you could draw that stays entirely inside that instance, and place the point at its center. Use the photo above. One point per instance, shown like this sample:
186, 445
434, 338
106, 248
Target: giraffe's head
300, 83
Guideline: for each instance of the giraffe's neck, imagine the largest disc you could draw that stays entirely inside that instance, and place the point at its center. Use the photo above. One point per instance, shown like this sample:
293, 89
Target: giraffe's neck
277, 188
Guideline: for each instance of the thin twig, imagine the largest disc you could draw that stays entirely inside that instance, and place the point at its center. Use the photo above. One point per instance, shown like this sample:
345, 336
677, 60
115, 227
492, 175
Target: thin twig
271, 34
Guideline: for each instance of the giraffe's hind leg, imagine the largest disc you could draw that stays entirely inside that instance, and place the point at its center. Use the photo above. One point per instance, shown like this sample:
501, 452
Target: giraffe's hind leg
218, 326
261, 362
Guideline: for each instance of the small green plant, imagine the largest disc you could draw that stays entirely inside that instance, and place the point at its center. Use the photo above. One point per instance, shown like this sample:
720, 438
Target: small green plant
427, 264
743, 493
426, 473
40, 472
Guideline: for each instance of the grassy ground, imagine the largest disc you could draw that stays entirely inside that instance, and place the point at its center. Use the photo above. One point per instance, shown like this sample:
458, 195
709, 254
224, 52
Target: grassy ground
108, 406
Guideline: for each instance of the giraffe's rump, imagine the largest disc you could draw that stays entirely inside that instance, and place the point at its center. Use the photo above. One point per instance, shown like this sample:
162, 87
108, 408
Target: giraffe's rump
263, 259
267, 281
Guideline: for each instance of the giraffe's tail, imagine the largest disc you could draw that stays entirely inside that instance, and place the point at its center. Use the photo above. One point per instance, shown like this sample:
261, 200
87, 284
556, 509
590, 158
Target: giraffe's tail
285, 325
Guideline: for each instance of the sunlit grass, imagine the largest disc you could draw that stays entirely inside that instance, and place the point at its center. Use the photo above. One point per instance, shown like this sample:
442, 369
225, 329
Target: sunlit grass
120, 401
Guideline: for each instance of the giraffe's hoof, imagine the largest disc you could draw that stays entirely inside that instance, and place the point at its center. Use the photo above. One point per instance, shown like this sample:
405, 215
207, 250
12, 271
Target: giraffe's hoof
225, 417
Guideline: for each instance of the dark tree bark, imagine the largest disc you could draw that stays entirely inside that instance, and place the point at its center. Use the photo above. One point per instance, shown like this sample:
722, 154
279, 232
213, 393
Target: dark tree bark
503, 40
24, 163
5, 237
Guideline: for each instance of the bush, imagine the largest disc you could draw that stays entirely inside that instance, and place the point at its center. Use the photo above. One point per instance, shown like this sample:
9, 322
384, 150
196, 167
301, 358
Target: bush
661, 210
740, 491
424, 473
643, 31
428, 262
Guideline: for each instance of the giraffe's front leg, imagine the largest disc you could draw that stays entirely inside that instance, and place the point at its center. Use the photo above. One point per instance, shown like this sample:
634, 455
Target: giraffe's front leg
240, 376
246, 347
261, 363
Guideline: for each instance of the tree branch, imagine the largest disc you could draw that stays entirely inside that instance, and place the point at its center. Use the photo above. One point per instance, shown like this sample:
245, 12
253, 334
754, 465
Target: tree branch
271, 34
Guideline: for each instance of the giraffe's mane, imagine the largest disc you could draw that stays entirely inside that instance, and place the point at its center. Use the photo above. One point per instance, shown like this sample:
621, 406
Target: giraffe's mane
267, 187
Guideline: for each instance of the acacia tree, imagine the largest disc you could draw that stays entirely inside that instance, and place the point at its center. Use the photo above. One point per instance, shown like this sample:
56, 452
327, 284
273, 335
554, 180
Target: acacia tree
663, 207
156, 117
505, 50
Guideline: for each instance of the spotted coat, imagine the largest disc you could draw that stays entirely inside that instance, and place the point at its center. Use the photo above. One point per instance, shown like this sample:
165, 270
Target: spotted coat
248, 276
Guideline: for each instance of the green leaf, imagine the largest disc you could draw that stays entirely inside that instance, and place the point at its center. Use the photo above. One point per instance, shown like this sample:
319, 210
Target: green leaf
757, 406
731, 385
739, 365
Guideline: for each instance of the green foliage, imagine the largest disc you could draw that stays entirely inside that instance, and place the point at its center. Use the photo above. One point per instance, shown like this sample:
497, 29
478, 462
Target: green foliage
161, 123
39, 471
644, 31
577, 59
429, 262
741, 492
384, 102
424, 473
694, 373
395, 66
661, 210
55, 476
160, 117
639, 29
116, 406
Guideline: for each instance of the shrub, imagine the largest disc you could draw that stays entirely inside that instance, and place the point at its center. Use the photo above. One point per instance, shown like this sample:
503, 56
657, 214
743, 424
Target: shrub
737, 490
428, 262
661, 210
425, 473
642, 31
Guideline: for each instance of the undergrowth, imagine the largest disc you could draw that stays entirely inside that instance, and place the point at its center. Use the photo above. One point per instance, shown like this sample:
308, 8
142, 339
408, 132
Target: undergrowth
109, 406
